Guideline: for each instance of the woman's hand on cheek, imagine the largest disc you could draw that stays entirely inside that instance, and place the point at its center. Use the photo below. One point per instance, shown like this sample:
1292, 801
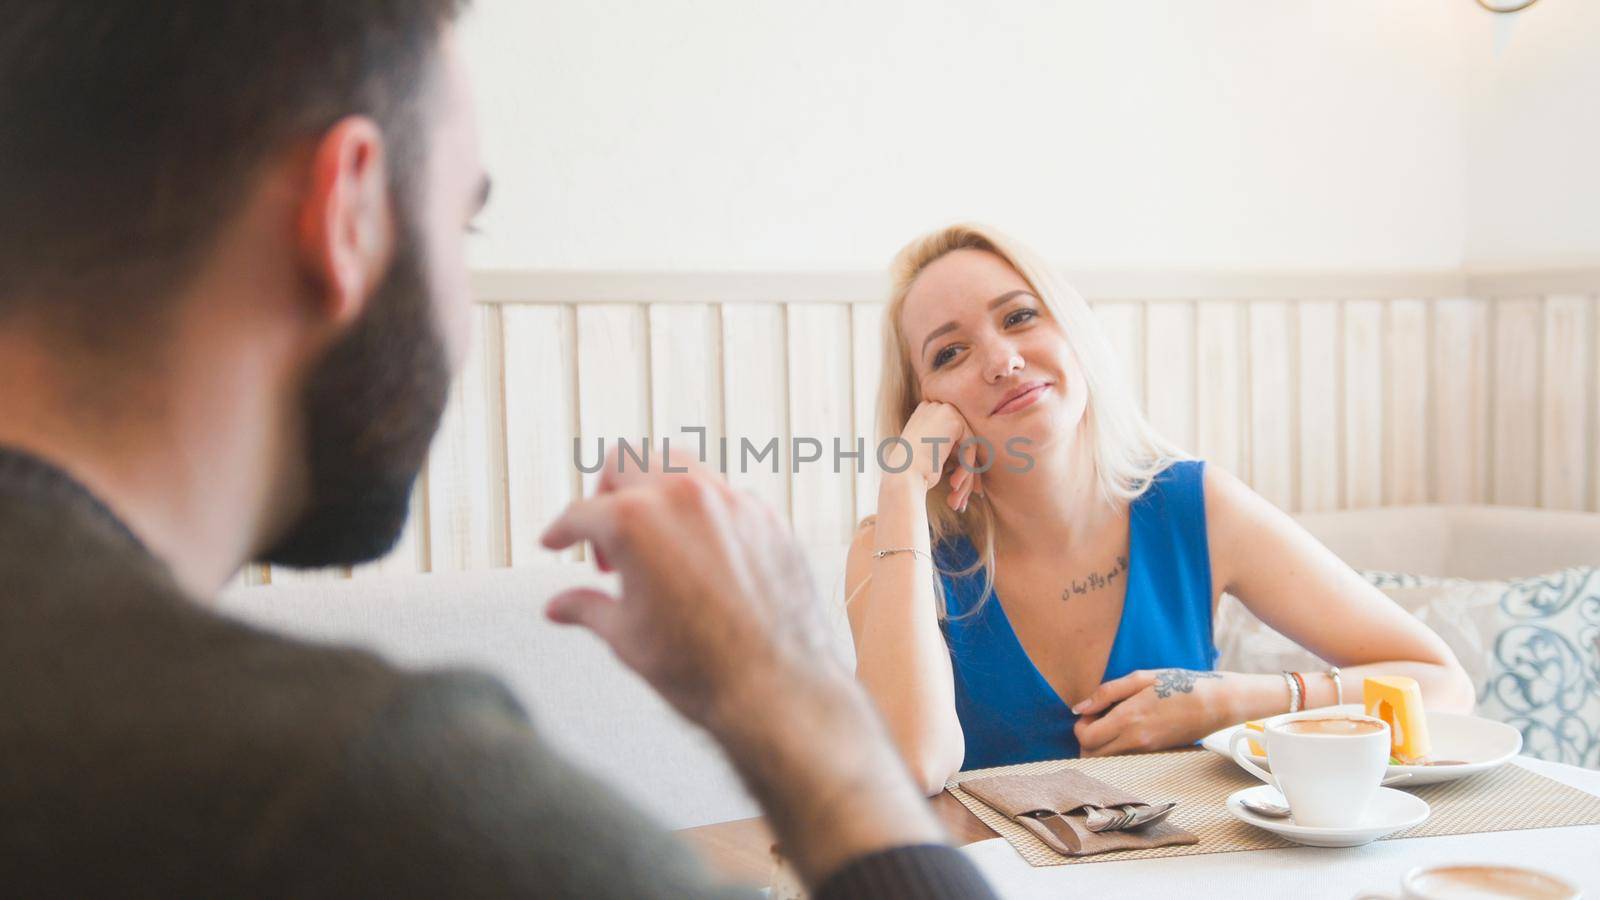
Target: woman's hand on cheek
965, 480
1148, 710
935, 432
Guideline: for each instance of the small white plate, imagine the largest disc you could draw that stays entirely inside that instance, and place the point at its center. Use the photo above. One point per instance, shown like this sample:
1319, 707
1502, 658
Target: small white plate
1391, 811
1482, 743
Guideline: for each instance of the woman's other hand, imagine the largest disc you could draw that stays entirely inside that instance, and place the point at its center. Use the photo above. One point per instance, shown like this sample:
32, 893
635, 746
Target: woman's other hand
1155, 709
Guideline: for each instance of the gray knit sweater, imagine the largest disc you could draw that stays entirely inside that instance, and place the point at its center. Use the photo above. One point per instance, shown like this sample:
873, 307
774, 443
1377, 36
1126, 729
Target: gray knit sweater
149, 747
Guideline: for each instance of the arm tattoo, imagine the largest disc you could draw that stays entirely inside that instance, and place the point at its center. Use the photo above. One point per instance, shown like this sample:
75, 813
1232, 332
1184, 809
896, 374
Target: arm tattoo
1178, 681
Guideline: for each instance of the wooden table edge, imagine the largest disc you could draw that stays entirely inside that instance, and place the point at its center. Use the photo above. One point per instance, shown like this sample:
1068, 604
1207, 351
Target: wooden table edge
742, 849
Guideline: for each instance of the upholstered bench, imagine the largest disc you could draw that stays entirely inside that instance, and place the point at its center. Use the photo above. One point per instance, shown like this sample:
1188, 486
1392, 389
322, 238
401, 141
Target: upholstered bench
604, 717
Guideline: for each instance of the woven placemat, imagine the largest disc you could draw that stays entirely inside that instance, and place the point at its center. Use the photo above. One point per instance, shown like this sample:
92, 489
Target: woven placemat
1509, 798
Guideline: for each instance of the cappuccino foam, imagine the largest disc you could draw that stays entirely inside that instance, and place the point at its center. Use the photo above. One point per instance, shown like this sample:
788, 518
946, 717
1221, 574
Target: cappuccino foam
1337, 725
1489, 883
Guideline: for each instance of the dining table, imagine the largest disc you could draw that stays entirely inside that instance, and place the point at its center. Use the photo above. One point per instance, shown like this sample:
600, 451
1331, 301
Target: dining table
742, 850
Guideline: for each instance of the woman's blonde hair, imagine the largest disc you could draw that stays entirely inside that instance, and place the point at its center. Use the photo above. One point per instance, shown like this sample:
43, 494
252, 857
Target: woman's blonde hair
1127, 452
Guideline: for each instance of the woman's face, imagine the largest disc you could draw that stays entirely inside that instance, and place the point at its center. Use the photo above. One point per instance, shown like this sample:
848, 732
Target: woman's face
980, 340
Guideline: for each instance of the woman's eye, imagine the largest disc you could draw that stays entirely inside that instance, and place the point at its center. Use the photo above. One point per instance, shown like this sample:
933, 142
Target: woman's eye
1021, 315
944, 356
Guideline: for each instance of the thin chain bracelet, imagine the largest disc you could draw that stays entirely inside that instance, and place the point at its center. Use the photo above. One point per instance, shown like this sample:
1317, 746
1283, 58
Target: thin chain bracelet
914, 551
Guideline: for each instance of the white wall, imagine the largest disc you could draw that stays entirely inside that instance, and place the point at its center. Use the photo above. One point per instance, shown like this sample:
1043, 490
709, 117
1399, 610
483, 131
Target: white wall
1533, 139
731, 134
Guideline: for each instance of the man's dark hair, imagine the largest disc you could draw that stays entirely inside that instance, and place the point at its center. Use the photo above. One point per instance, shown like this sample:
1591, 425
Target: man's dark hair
131, 131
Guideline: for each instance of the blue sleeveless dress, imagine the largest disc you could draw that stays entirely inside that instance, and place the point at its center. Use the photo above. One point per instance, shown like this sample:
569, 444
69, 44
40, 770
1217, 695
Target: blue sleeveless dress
1008, 712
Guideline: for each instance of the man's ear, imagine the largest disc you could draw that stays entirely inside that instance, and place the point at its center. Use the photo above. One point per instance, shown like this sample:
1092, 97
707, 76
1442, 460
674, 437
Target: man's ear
346, 223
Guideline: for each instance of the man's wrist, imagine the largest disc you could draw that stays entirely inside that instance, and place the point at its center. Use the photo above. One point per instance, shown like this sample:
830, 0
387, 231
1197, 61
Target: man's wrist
741, 709
813, 753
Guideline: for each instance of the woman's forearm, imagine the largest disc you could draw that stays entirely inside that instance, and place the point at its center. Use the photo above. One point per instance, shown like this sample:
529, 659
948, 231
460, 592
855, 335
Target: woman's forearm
1256, 696
1445, 688
902, 660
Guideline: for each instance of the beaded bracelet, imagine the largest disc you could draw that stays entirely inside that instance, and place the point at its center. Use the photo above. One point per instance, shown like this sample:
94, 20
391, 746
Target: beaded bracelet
1294, 692
1338, 685
1305, 692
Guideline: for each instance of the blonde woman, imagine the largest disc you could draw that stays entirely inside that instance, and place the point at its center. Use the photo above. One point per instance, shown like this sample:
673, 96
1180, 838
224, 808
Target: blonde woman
1060, 603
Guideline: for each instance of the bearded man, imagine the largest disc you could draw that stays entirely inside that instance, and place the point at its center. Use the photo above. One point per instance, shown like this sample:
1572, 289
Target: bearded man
232, 295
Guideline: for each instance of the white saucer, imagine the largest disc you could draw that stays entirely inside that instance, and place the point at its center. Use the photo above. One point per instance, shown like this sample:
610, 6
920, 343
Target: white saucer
1482, 743
1391, 811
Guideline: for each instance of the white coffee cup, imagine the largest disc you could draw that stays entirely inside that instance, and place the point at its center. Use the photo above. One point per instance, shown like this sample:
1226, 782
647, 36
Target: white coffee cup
1329, 775
1480, 881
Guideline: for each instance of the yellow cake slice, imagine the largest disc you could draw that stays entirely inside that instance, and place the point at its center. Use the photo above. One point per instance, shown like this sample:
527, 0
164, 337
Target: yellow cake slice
1255, 748
1397, 700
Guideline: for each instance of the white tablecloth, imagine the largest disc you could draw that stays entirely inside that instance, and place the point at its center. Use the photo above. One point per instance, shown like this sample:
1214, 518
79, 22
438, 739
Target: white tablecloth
1305, 873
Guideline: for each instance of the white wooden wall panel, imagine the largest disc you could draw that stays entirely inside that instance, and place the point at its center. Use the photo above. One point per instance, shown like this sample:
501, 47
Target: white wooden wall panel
466, 467
1461, 401
1406, 477
686, 378
1271, 411
1518, 328
755, 388
1219, 385
1564, 427
1123, 325
1318, 405
613, 380
866, 345
1170, 371
541, 395
823, 501
1363, 404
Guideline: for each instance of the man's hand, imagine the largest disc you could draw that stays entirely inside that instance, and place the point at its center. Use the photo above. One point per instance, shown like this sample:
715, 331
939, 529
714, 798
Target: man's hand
717, 602
718, 613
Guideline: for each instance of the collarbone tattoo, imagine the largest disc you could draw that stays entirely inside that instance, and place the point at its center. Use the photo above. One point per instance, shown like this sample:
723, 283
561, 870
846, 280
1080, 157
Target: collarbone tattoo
1094, 581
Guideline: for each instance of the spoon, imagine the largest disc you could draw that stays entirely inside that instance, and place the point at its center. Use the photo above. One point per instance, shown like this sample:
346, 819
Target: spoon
1265, 808
1281, 810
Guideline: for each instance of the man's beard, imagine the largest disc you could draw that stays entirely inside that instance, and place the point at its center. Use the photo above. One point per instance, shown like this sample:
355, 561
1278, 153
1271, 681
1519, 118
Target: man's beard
371, 407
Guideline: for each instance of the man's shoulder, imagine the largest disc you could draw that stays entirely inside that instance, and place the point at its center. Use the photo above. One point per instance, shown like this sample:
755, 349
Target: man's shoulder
108, 652
137, 669
180, 728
